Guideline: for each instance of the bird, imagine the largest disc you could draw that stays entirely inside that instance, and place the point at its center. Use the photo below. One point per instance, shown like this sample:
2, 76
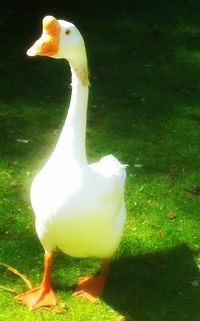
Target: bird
79, 207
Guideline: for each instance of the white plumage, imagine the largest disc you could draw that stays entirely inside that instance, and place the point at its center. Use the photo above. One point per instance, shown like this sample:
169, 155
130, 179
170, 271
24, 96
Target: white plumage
79, 208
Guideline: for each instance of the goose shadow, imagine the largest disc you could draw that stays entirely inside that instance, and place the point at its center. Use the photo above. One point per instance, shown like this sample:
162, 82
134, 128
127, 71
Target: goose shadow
164, 286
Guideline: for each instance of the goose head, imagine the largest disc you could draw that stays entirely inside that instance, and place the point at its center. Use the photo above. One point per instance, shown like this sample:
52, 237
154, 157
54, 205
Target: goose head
59, 39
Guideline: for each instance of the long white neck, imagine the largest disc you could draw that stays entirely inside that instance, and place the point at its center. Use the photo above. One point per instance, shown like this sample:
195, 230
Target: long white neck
71, 144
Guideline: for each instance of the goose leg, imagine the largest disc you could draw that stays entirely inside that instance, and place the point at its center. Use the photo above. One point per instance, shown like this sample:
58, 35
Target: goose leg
92, 287
42, 295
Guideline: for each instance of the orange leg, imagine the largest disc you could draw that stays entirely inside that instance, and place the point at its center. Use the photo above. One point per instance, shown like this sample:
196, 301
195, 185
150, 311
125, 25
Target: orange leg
92, 287
42, 295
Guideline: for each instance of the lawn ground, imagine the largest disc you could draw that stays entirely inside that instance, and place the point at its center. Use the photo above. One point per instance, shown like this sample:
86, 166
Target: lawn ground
144, 108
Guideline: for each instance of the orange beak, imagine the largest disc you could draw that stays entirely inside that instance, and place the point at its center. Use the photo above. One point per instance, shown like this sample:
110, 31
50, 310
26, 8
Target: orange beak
48, 44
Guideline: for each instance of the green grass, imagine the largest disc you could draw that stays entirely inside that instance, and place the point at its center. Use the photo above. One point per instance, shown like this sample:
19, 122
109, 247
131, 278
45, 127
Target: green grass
144, 107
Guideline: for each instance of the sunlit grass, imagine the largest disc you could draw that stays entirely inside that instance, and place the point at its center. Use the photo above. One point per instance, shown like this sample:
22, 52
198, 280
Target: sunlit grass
144, 107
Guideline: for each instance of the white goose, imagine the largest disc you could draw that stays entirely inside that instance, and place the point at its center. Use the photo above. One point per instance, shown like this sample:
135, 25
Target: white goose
79, 208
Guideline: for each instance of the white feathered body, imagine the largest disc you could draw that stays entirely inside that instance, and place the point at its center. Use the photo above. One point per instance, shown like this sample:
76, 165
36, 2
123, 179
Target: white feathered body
80, 209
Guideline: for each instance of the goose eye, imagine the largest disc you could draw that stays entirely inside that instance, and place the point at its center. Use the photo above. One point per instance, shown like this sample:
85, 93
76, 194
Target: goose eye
67, 32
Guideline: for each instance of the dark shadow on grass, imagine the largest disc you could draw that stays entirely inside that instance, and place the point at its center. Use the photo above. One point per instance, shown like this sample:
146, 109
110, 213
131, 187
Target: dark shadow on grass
149, 79
133, 42
157, 287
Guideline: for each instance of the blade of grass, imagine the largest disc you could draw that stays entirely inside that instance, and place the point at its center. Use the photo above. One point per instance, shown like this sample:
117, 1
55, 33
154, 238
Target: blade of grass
4, 288
17, 273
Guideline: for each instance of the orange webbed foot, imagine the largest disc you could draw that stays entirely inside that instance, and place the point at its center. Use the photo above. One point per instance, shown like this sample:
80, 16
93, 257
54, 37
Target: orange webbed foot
38, 297
90, 287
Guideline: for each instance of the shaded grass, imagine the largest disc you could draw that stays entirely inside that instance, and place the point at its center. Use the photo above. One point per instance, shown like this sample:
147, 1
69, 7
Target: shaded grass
144, 108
